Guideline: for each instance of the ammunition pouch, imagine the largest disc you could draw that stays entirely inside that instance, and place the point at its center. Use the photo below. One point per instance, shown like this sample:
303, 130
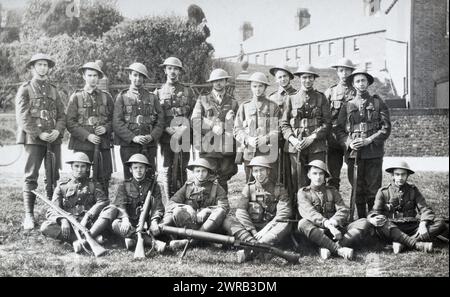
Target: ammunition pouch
256, 212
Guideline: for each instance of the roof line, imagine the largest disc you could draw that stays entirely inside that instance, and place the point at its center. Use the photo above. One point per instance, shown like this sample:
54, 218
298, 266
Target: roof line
306, 43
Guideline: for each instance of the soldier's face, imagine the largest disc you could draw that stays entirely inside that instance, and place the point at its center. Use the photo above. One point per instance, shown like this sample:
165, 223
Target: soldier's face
40, 68
80, 169
219, 85
201, 173
360, 82
136, 79
307, 80
317, 176
282, 78
260, 173
172, 72
343, 73
257, 88
90, 77
138, 170
400, 176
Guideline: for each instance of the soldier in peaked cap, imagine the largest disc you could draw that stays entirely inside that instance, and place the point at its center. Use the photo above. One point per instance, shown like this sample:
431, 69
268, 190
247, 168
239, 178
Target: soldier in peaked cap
262, 203
89, 120
215, 112
395, 213
122, 216
201, 203
337, 95
256, 125
78, 195
177, 101
324, 216
41, 122
305, 124
363, 127
138, 120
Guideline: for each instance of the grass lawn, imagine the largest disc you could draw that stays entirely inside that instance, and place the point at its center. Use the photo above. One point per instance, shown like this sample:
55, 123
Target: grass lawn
34, 255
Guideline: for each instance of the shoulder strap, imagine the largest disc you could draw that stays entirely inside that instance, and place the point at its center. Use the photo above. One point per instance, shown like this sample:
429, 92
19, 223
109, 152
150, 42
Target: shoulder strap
189, 189
127, 187
329, 194
277, 191
213, 192
252, 189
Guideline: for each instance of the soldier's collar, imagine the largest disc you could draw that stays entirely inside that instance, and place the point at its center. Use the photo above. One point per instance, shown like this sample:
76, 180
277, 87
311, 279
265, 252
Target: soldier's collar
317, 188
38, 81
82, 179
285, 90
219, 95
343, 84
89, 90
307, 91
364, 94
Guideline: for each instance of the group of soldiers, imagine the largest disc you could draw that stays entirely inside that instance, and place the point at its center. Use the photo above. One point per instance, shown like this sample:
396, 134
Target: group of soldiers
293, 144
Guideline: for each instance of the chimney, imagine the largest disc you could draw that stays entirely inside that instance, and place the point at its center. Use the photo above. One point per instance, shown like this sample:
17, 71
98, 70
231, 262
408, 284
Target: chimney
303, 18
247, 31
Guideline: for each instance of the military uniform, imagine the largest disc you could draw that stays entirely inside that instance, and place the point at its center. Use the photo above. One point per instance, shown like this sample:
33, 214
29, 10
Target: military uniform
80, 197
198, 205
365, 116
137, 112
210, 111
176, 100
305, 113
87, 110
401, 205
258, 117
259, 208
318, 204
128, 203
337, 95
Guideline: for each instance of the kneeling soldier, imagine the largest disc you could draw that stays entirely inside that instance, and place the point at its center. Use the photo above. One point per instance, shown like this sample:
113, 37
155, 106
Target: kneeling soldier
125, 210
263, 203
79, 196
201, 203
325, 215
395, 209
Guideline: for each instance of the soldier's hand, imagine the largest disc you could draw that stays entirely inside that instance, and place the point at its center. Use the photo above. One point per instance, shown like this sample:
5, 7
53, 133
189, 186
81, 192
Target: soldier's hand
170, 130
423, 231
65, 229
100, 130
94, 139
217, 130
261, 140
44, 136
139, 139
53, 136
252, 141
295, 142
229, 115
85, 220
356, 144
154, 228
366, 141
254, 232
307, 142
257, 236
148, 139
125, 226
377, 221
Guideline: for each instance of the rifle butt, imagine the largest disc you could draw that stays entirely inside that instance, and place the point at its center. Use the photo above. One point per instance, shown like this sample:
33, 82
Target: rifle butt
139, 252
96, 248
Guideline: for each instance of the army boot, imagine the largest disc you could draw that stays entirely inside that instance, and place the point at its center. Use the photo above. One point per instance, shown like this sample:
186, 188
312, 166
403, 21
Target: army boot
400, 240
361, 209
244, 255
346, 253
178, 244
397, 247
318, 237
158, 245
426, 247
99, 225
130, 243
79, 246
324, 253
28, 201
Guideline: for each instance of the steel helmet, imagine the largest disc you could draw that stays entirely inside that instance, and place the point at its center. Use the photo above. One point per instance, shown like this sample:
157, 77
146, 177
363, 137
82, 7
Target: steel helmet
172, 61
218, 74
93, 66
281, 67
79, 157
359, 71
399, 165
306, 69
319, 164
260, 161
259, 77
138, 158
138, 67
41, 56
344, 62
201, 162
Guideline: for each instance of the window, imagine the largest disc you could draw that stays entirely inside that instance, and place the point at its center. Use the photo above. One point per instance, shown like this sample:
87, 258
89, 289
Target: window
319, 50
368, 66
331, 49
256, 59
355, 44
265, 58
287, 55
297, 54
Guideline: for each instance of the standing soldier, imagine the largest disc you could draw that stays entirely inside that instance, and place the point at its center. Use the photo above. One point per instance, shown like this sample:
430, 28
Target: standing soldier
177, 102
263, 202
324, 216
337, 95
201, 203
363, 127
305, 125
89, 122
256, 125
41, 122
81, 197
395, 213
283, 77
215, 113
138, 119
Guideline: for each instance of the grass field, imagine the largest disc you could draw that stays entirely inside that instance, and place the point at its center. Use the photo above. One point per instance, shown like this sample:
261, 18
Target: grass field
34, 255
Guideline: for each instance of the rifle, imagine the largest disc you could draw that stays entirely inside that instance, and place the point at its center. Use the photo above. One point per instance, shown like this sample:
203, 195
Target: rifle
356, 154
50, 159
291, 257
98, 158
139, 252
96, 248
